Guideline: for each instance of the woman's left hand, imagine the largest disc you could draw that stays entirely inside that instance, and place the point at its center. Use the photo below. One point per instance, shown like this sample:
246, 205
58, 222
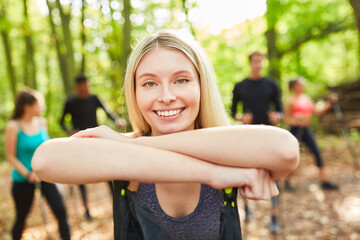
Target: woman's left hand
253, 183
333, 98
261, 185
100, 132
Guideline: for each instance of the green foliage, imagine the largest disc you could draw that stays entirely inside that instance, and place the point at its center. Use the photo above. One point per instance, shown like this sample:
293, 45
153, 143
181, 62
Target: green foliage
316, 39
355, 135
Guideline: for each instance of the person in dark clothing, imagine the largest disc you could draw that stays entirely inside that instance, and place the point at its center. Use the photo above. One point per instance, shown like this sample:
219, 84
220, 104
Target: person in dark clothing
82, 109
261, 105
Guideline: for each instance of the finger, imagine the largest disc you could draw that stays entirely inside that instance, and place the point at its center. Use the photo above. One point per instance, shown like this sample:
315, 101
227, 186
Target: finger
84, 133
251, 194
266, 193
273, 189
242, 192
269, 185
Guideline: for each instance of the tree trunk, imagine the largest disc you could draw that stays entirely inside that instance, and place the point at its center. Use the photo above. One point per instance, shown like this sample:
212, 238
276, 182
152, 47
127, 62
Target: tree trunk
69, 51
356, 7
29, 64
126, 52
273, 51
186, 11
65, 73
127, 34
83, 37
10, 67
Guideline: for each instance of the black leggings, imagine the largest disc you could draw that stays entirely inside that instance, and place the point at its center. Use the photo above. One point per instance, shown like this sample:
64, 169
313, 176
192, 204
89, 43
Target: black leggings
83, 193
305, 135
23, 194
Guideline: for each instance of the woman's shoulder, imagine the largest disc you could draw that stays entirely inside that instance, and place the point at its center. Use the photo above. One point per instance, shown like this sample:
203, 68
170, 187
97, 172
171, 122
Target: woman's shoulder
12, 129
12, 125
42, 122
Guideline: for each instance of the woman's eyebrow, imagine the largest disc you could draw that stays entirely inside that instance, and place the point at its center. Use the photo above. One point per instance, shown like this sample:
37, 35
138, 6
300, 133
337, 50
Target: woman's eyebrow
182, 72
146, 75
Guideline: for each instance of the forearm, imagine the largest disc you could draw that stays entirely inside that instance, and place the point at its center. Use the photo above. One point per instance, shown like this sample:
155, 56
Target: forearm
264, 147
62, 124
324, 109
15, 163
88, 160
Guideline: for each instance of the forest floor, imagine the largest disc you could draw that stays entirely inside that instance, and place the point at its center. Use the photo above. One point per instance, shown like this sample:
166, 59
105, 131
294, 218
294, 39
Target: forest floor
307, 213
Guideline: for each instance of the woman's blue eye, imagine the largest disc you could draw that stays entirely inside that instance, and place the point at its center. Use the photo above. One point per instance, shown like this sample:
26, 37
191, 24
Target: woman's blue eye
182, 81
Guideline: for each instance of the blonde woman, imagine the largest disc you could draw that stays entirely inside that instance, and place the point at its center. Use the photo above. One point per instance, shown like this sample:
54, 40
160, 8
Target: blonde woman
182, 149
24, 133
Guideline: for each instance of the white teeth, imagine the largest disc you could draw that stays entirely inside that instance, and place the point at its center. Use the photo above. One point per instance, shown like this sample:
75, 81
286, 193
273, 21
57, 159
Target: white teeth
168, 113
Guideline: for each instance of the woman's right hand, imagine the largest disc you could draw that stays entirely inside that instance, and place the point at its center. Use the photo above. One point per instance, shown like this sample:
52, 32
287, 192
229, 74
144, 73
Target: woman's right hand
33, 178
253, 183
100, 132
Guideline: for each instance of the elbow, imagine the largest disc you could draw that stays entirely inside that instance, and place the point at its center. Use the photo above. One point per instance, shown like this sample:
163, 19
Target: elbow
290, 153
41, 160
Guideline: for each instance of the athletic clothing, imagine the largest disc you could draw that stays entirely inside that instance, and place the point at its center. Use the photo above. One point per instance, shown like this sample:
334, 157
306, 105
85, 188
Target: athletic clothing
257, 97
306, 136
302, 106
23, 194
83, 116
202, 223
25, 148
23, 191
83, 112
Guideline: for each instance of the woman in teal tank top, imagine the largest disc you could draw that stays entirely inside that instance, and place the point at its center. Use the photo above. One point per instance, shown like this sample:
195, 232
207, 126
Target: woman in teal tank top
23, 135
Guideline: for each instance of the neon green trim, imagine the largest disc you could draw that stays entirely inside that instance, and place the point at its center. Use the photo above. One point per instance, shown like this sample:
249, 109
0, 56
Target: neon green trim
122, 192
233, 204
228, 190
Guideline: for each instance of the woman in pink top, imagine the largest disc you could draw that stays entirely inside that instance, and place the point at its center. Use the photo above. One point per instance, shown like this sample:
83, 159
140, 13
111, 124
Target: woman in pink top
298, 113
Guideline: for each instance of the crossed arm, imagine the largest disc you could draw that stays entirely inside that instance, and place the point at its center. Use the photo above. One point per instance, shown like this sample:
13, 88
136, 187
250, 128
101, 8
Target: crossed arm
221, 157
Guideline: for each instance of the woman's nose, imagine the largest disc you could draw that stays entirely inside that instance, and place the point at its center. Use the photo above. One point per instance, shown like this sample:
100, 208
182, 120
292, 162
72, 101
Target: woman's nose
166, 97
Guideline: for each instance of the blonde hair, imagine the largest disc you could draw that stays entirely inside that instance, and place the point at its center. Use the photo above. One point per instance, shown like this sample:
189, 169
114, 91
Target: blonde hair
212, 112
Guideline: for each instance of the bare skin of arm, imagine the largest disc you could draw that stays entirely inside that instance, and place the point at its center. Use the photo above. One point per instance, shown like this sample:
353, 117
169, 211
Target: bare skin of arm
10, 149
302, 121
327, 106
69, 160
236, 146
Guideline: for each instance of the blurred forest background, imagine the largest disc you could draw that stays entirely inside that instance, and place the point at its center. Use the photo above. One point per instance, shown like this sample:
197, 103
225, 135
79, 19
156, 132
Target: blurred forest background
44, 44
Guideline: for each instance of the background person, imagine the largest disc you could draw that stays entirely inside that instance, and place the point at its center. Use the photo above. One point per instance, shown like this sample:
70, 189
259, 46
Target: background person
24, 133
261, 101
82, 108
298, 113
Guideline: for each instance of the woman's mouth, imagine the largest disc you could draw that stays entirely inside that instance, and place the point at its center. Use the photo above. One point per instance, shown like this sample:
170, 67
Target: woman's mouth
169, 113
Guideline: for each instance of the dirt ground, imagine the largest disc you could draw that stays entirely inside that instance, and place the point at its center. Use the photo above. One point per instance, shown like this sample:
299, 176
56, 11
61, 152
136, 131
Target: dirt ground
308, 213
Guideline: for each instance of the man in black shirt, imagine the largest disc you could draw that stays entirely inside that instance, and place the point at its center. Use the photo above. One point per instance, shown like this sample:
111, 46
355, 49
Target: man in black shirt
261, 105
258, 94
82, 109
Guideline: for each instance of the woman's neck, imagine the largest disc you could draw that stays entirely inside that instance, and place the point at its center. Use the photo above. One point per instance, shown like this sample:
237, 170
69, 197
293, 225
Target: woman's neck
297, 94
27, 118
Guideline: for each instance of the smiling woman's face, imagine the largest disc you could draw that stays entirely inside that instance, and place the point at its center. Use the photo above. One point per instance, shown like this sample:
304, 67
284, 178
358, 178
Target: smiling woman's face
167, 91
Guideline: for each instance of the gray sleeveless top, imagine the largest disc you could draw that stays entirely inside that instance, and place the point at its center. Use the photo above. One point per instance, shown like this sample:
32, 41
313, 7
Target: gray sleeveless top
203, 223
